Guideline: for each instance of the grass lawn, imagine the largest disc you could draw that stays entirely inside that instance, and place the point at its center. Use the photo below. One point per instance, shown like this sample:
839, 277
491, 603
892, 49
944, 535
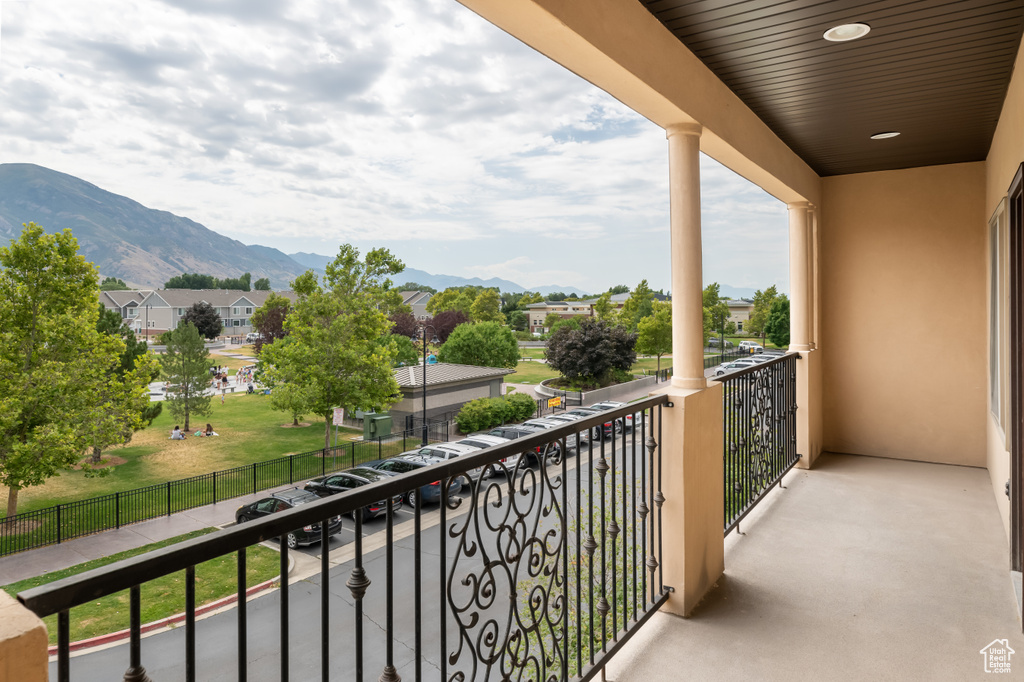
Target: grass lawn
159, 598
249, 432
535, 353
650, 365
529, 372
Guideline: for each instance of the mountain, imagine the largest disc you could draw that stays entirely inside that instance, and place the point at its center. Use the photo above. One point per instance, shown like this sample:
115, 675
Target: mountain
143, 246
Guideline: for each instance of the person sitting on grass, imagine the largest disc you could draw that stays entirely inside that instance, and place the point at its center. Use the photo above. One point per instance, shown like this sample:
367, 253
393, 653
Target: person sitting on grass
176, 433
209, 431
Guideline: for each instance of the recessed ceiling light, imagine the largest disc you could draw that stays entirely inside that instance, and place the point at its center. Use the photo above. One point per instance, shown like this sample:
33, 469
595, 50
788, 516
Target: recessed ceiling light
846, 32
884, 136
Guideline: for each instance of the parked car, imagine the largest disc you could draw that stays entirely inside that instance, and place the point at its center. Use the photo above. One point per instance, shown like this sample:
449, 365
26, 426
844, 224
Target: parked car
751, 346
614, 404
428, 493
351, 479
252, 336
282, 501
733, 366
715, 342
545, 423
516, 431
484, 440
446, 451
597, 433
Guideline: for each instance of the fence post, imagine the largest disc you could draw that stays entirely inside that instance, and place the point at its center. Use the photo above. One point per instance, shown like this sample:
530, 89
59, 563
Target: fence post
215, 487
380, 447
323, 462
254, 478
168, 498
117, 509
291, 468
404, 448
58, 524
353, 453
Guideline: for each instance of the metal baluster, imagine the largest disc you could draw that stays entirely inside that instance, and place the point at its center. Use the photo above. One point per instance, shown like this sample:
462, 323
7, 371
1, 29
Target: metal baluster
659, 499
579, 561
632, 517
602, 603
190, 624
284, 607
357, 583
325, 601
613, 535
652, 562
64, 646
135, 672
416, 568
442, 592
642, 509
242, 582
390, 674
565, 555
589, 544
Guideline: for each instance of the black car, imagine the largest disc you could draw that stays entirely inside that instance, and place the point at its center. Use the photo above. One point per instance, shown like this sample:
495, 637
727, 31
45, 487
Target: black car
401, 464
349, 480
282, 501
517, 431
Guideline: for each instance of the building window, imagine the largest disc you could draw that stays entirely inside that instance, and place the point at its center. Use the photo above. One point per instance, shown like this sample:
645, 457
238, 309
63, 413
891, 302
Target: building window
181, 311
248, 311
234, 311
237, 323
151, 323
245, 322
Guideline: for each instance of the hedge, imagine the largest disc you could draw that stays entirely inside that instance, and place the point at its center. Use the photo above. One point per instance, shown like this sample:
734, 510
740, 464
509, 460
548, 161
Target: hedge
483, 413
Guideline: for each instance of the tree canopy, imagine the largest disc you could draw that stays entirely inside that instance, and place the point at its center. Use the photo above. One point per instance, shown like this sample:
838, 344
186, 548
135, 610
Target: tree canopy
113, 284
655, 332
413, 286
484, 344
186, 364
203, 317
404, 324
487, 307
335, 351
593, 353
762, 306
637, 306
618, 289
268, 320
777, 326
193, 280
54, 364
445, 323
262, 284
603, 308
459, 299
716, 309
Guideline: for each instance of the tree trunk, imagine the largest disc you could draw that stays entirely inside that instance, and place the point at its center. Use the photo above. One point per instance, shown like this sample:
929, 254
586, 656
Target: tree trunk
12, 501
295, 420
96, 452
327, 433
659, 368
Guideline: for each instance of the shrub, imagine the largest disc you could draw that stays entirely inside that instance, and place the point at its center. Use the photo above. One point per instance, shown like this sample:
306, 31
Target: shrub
483, 413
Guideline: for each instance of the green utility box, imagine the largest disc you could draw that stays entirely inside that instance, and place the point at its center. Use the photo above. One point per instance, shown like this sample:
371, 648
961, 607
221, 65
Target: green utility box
376, 425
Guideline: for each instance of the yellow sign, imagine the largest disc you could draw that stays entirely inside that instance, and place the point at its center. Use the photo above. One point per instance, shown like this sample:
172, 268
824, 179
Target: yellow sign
554, 402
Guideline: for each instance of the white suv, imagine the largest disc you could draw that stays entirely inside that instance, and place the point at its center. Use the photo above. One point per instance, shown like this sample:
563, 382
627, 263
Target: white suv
751, 346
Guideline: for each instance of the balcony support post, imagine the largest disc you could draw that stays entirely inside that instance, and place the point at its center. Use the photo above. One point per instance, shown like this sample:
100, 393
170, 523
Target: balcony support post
23, 643
687, 282
799, 276
692, 483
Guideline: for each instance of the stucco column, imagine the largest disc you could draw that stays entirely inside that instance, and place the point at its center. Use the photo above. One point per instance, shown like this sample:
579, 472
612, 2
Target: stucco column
799, 261
812, 277
23, 643
687, 279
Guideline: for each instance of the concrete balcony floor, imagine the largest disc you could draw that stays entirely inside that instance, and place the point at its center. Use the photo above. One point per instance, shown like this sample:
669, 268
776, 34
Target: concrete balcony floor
863, 569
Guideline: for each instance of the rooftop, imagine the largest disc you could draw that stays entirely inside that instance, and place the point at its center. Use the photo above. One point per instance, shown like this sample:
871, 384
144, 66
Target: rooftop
445, 373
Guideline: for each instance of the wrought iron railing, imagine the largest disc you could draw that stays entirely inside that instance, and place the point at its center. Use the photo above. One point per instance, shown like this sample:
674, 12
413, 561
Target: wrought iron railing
759, 414
715, 360
537, 572
70, 520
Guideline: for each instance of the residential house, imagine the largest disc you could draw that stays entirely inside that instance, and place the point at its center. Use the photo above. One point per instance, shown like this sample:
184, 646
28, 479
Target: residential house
448, 388
153, 312
536, 313
417, 300
739, 311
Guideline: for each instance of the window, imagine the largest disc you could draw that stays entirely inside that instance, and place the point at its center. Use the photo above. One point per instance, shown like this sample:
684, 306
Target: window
236, 323
133, 312
245, 323
997, 324
181, 311
234, 311
248, 311
151, 324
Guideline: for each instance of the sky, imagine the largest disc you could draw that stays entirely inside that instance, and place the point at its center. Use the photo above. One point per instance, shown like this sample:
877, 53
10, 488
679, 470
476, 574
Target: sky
413, 125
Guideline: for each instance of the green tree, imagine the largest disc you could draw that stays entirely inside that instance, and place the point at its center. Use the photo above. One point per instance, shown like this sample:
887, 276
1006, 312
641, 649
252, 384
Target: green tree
618, 289
762, 306
487, 307
413, 286
336, 353
603, 308
453, 299
530, 297
637, 306
573, 322
777, 326
113, 284
203, 317
186, 365
517, 320
405, 349
53, 361
191, 280
485, 344
268, 320
262, 284
550, 320
122, 403
654, 335
716, 308
594, 353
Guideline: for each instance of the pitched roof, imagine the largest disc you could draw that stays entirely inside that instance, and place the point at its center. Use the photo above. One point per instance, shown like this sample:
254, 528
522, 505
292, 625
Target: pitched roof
415, 297
445, 373
218, 298
123, 297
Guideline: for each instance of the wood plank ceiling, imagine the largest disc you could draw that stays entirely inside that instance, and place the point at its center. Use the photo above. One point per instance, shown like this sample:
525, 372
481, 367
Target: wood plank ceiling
936, 71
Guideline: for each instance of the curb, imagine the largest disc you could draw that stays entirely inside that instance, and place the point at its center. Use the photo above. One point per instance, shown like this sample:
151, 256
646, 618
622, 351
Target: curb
100, 640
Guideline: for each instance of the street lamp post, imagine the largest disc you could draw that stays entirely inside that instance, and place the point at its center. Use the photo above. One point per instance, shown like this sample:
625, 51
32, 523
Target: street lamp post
434, 340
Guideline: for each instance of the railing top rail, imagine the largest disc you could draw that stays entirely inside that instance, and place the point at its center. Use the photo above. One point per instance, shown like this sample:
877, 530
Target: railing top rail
79, 589
739, 373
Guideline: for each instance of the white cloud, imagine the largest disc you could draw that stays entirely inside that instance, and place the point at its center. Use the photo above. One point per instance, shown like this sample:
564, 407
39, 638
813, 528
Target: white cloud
411, 124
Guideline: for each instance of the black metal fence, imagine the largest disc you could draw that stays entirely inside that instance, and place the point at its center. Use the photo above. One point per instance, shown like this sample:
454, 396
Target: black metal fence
539, 572
760, 433
715, 360
71, 520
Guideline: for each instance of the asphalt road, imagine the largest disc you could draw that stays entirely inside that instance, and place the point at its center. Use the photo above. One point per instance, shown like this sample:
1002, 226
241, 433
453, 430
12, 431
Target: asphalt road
498, 527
